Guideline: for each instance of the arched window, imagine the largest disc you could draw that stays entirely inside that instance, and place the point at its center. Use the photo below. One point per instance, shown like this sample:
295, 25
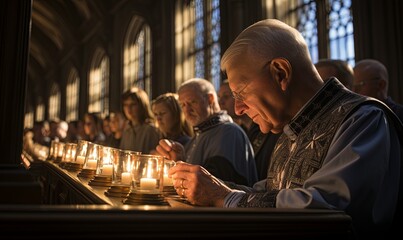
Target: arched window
98, 88
327, 25
197, 39
54, 102
40, 109
137, 56
72, 95
29, 118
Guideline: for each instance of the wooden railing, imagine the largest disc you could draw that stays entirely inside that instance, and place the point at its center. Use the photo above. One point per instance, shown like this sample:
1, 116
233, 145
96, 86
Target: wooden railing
73, 209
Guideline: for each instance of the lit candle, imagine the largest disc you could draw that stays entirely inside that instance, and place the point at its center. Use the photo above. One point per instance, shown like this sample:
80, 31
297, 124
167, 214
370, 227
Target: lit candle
107, 169
167, 180
60, 152
126, 178
80, 159
148, 183
92, 164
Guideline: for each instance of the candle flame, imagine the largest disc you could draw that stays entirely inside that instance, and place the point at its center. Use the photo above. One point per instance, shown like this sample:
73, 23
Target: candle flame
150, 169
128, 165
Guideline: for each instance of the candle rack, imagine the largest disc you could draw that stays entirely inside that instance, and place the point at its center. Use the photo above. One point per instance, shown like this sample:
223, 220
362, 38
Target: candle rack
86, 173
145, 198
169, 191
73, 167
120, 191
101, 181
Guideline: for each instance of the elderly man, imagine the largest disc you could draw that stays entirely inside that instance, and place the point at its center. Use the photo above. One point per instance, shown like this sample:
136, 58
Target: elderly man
371, 79
338, 150
262, 143
219, 144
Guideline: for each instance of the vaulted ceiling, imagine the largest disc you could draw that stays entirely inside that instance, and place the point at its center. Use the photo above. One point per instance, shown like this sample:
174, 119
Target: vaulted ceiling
57, 27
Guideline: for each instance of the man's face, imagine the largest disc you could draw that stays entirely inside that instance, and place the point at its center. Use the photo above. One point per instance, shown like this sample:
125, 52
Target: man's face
226, 101
194, 105
365, 83
261, 97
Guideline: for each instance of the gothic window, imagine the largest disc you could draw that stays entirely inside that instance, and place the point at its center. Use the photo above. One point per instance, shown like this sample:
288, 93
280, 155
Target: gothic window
197, 39
327, 25
54, 102
72, 96
40, 110
98, 88
137, 56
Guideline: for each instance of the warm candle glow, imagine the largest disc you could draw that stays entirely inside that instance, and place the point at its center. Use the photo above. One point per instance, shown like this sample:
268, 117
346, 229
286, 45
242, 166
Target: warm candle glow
126, 178
61, 150
150, 169
167, 180
107, 169
80, 159
148, 183
128, 165
92, 164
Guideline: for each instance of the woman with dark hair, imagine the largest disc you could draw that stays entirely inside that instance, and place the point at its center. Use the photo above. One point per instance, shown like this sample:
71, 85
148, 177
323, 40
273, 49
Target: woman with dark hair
93, 128
140, 133
117, 125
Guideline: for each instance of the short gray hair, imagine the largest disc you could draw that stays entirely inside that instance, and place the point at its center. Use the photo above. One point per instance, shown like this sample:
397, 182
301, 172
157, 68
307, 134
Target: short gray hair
265, 39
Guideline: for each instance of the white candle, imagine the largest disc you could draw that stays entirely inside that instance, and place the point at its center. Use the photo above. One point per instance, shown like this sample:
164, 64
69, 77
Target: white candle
80, 159
92, 164
148, 183
126, 178
167, 181
107, 169
60, 152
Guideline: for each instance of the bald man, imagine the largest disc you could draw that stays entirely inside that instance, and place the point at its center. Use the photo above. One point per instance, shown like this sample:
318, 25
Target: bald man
371, 79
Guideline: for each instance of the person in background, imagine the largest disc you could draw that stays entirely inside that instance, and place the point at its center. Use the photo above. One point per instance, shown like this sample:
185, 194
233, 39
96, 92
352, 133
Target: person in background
80, 129
336, 68
371, 78
338, 149
93, 128
117, 125
75, 131
58, 130
61, 131
140, 133
263, 146
53, 125
41, 131
227, 103
219, 144
106, 129
262, 143
170, 118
